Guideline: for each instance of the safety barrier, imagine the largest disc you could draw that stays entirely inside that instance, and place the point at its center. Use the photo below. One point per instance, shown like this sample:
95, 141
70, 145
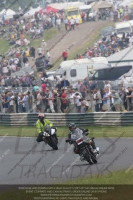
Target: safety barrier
61, 119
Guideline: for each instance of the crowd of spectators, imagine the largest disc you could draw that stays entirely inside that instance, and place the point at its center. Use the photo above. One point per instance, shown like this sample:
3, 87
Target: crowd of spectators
109, 45
61, 97
40, 95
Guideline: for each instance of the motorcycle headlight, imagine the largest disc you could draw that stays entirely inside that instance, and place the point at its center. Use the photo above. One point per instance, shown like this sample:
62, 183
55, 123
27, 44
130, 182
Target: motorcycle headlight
90, 142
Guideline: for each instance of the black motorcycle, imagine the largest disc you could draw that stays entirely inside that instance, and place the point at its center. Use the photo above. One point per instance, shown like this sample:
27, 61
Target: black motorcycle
85, 149
50, 137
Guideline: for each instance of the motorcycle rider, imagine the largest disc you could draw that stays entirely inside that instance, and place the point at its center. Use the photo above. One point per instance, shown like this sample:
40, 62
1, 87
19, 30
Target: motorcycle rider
41, 125
76, 133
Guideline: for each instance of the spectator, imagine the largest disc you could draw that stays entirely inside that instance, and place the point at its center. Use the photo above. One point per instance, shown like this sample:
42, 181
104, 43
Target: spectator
71, 98
51, 100
97, 100
39, 51
116, 98
30, 102
105, 105
72, 23
64, 101
66, 23
43, 46
65, 55
25, 59
78, 102
58, 22
38, 101
82, 90
65, 83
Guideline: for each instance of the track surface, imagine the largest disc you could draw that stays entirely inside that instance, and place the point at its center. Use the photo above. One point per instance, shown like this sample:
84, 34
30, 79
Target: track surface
58, 165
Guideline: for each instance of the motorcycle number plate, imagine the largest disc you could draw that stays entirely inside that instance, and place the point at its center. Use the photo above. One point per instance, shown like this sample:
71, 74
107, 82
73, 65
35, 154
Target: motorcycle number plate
79, 141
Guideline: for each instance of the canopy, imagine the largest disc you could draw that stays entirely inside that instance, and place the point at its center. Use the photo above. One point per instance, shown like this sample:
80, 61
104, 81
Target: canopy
9, 14
48, 10
126, 3
2, 12
32, 12
85, 7
101, 5
62, 6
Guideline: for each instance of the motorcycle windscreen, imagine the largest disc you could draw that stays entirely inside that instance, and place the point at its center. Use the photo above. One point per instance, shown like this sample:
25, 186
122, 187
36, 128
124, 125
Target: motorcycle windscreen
52, 131
77, 133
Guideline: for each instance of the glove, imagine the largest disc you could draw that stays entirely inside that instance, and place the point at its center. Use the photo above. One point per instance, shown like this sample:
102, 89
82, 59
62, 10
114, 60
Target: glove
67, 140
86, 130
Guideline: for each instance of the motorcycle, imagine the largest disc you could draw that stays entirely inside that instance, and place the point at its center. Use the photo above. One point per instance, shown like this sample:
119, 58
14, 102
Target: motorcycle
50, 137
85, 149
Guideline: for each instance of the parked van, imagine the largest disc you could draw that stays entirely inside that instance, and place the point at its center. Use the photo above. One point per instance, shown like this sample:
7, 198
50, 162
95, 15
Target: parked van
82, 68
69, 63
88, 8
111, 74
122, 27
131, 23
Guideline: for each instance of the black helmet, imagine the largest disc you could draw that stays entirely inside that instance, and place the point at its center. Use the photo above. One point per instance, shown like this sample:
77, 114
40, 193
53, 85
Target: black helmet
41, 116
71, 126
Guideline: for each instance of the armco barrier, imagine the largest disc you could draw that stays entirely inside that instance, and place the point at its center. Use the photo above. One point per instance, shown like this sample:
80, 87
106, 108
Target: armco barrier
101, 118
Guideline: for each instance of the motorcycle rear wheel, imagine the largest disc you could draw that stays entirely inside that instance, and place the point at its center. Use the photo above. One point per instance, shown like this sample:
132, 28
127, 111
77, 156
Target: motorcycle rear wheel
88, 158
54, 143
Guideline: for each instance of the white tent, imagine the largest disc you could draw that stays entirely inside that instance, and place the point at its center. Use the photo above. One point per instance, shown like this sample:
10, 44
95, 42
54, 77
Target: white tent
2, 12
32, 12
9, 14
61, 6
126, 3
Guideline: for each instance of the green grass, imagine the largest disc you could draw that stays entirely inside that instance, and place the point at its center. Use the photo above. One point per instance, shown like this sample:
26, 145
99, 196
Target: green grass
95, 131
117, 177
4, 45
48, 34
107, 185
88, 43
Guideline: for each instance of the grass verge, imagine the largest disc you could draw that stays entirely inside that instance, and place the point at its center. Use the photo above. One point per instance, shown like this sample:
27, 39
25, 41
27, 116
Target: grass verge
95, 131
117, 177
103, 187
48, 34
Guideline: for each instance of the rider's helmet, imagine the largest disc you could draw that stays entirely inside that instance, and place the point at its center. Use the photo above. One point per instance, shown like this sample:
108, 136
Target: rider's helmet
71, 126
41, 116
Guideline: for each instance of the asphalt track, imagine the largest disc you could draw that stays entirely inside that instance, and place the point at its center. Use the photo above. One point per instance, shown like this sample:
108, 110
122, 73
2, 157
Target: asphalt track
48, 166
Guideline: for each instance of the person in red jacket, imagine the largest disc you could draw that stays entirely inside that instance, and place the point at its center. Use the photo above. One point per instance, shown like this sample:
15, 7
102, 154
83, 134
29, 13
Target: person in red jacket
65, 55
43, 87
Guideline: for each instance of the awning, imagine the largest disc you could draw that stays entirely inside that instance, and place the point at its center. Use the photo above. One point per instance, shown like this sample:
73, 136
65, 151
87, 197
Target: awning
49, 9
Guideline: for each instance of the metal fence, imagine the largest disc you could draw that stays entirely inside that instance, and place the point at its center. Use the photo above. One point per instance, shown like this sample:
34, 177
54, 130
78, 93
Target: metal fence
101, 118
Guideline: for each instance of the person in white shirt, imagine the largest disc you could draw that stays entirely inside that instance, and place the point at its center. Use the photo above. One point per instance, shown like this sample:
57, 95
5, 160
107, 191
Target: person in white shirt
107, 85
78, 102
27, 42
108, 97
71, 97
43, 46
24, 27
72, 23
77, 22
58, 22
125, 80
66, 23
48, 55
39, 50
